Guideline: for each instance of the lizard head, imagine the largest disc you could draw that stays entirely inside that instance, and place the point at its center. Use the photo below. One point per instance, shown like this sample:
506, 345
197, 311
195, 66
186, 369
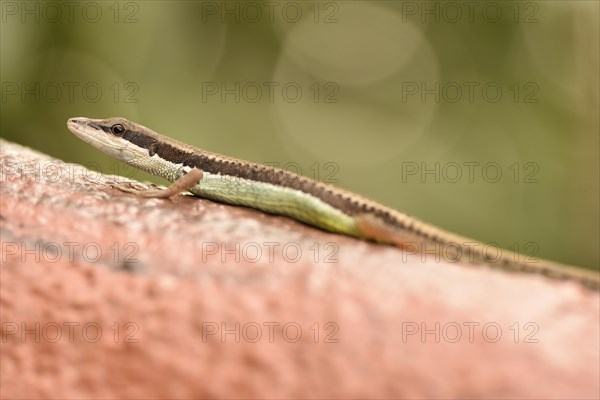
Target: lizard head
117, 137
134, 144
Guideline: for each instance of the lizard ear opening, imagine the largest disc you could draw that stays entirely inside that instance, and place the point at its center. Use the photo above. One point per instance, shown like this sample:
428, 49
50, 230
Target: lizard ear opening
152, 149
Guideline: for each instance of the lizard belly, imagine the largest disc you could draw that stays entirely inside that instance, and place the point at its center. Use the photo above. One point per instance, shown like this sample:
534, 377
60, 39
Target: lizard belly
275, 200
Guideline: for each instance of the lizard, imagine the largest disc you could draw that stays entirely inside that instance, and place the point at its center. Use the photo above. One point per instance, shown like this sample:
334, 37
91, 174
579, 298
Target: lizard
276, 191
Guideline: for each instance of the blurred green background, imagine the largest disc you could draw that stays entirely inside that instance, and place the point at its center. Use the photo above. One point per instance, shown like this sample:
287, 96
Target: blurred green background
365, 95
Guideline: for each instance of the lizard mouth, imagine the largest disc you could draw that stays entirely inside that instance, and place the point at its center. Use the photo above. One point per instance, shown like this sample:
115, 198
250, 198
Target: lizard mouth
89, 132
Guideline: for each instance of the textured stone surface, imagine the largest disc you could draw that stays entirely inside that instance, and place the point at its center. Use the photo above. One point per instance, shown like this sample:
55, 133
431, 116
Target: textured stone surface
106, 295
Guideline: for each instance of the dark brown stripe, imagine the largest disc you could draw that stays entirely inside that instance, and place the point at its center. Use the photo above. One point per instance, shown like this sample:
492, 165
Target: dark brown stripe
180, 153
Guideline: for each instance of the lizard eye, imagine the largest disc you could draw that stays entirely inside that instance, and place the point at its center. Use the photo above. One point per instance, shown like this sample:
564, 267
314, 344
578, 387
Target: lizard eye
117, 129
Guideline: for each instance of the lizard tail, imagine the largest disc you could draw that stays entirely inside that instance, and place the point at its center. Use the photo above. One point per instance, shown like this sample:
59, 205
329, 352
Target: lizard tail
420, 238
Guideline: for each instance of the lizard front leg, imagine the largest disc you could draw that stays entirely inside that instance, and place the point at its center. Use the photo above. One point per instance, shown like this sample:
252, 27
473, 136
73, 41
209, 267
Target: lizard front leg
182, 184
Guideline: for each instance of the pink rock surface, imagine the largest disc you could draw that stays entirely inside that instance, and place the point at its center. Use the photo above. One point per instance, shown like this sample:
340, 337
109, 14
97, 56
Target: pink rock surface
107, 295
